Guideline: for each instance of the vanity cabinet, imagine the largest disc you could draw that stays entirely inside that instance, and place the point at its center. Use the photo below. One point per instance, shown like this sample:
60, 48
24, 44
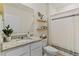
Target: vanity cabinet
19, 51
31, 49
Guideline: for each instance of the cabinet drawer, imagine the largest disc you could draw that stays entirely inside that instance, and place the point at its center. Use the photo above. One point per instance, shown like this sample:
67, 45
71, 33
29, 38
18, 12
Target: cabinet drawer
18, 51
36, 45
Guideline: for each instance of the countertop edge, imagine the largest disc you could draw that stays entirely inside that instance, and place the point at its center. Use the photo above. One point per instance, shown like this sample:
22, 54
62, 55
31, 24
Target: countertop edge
20, 45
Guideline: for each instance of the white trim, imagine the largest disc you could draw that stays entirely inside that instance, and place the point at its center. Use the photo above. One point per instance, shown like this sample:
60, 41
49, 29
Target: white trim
63, 12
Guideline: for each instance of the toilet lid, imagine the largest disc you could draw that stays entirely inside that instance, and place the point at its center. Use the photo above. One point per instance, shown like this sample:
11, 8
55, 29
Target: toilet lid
50, 49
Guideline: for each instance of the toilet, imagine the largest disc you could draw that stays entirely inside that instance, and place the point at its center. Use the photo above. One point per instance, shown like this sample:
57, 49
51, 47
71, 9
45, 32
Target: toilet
50, 51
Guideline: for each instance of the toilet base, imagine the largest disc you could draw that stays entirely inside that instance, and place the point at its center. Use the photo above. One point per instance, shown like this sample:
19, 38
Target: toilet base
46, 54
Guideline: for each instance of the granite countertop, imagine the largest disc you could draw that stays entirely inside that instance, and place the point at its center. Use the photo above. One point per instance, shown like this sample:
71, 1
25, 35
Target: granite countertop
17, 42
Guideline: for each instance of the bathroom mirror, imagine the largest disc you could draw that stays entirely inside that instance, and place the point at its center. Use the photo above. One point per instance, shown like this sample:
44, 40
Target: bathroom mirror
19, 17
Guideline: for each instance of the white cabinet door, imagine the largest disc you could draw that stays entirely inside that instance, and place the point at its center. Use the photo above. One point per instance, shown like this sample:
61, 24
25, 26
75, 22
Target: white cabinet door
0, 53
19, 51
36, 52
36, 45
44, 42
36, 49
26, 54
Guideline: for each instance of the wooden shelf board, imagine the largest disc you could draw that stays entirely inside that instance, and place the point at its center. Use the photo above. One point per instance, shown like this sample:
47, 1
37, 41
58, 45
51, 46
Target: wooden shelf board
41, 30
42, 21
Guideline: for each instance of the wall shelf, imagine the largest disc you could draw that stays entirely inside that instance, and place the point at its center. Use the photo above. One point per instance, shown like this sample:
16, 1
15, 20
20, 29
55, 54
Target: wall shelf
41, 30
39, 20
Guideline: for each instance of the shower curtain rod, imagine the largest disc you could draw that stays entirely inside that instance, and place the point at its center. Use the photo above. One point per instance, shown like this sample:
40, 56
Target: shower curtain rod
66, 16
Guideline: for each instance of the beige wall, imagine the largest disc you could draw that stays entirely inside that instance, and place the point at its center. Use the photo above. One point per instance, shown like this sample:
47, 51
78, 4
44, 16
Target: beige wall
1, 8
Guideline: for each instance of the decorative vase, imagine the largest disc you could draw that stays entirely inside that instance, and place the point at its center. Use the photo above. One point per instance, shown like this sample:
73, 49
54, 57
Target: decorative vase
8, 39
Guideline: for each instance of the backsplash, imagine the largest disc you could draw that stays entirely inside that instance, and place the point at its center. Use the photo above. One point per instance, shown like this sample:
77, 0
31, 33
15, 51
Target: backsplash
19, 36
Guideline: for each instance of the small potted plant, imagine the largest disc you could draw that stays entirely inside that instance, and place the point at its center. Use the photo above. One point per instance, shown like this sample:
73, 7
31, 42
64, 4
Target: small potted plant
40, 15
7, 32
